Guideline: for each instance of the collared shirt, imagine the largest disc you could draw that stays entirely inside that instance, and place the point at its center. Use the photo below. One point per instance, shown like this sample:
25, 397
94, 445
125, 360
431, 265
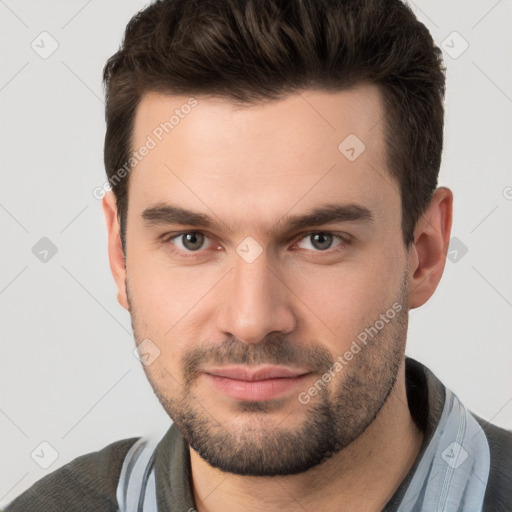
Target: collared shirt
90, 482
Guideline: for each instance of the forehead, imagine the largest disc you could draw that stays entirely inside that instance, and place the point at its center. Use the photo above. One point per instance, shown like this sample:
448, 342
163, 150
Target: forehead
261, 160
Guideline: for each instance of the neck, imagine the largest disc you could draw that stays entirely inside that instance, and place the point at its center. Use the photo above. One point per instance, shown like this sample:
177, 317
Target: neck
360, 478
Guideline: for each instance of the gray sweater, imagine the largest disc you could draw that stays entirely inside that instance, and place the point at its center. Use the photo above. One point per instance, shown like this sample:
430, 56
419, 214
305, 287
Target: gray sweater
89, 482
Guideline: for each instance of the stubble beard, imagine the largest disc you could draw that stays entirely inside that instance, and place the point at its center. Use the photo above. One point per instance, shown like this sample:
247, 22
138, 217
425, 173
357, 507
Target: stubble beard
337, 415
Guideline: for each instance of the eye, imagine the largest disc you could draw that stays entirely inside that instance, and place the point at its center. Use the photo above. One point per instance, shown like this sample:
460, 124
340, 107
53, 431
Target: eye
191, 241
321, 240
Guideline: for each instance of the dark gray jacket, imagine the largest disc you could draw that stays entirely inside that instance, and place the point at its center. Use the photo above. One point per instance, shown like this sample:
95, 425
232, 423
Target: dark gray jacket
89, 482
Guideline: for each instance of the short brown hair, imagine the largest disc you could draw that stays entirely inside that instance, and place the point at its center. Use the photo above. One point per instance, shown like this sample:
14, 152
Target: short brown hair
255, 50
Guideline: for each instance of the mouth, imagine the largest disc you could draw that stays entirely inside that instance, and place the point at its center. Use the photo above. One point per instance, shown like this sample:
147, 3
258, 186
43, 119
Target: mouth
255, 384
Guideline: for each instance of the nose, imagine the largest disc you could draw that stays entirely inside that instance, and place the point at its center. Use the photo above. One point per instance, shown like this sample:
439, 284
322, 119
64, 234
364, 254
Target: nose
255, 301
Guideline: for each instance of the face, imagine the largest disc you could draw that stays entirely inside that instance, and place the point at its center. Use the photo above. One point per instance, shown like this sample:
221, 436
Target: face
266, 273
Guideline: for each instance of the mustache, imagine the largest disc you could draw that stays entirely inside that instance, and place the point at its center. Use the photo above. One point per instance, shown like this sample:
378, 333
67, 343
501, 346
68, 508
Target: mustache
275, 350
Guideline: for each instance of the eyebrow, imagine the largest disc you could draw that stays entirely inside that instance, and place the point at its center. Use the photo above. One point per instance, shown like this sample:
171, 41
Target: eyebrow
162, 214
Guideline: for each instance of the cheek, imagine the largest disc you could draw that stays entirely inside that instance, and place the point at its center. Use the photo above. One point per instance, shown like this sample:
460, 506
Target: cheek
168, 308
337, 301
164, 292
342, 300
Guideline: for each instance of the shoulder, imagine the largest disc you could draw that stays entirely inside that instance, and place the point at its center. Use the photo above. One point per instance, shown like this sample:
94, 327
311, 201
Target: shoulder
498, 494
88, 482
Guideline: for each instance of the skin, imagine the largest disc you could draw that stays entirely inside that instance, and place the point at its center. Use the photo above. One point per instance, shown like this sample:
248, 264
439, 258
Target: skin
248, 167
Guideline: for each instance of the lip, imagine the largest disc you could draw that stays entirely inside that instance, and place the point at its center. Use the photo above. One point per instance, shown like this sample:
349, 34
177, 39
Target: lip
255, 384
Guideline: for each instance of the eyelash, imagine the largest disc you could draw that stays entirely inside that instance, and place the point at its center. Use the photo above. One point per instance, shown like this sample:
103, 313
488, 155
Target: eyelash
343, 238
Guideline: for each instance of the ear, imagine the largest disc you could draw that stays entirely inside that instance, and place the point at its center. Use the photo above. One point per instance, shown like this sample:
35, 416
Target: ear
115, 251
427, 254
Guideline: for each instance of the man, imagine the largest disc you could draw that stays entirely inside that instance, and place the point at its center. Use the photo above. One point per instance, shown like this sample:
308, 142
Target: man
273, 218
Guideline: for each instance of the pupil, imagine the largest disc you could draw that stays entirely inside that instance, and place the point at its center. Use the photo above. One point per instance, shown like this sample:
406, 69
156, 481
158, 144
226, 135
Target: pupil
193, 241
321, 240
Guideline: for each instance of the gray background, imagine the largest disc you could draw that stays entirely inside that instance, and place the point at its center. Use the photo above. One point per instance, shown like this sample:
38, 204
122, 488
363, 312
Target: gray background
68, 375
